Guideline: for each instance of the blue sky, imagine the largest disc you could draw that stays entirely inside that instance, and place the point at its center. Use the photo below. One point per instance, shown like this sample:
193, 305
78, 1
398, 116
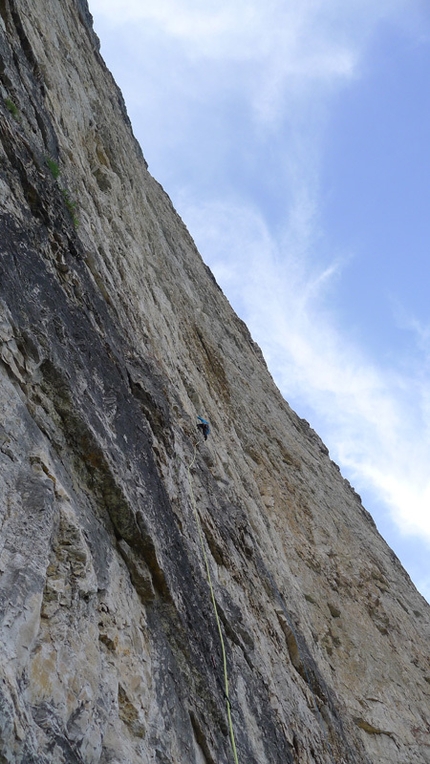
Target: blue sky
293, 138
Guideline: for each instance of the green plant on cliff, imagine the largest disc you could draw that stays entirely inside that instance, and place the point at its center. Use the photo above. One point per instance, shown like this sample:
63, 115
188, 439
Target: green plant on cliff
53, 167
71, 206
12, 108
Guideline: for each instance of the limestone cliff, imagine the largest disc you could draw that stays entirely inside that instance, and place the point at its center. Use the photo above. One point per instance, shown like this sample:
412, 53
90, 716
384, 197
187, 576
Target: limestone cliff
114, 337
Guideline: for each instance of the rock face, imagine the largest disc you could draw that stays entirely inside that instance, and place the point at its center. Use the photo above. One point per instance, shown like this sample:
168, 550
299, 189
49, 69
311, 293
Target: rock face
114, 337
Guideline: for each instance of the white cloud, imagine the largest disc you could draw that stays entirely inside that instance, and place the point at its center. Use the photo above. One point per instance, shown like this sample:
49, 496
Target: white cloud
286, 48
375, 418
281, 58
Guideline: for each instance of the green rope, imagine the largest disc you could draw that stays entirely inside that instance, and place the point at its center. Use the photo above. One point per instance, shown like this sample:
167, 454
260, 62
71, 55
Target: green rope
217, 618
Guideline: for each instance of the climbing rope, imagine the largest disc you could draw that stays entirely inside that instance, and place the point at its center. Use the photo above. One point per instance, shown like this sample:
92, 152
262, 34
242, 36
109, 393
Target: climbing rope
217, 618
279, 597
302, 657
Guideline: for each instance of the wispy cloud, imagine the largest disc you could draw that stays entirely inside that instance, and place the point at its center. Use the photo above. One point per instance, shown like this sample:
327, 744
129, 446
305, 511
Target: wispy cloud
274, 50
375, 418
275, 62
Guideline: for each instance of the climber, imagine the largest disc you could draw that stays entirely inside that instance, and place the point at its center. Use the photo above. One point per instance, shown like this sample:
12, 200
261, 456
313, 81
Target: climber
203, 425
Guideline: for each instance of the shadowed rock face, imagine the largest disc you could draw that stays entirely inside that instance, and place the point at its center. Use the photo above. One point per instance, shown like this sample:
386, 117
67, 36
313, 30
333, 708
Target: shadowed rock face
114, 337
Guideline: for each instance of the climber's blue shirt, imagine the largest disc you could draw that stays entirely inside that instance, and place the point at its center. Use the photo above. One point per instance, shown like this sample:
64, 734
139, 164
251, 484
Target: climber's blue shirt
203, 421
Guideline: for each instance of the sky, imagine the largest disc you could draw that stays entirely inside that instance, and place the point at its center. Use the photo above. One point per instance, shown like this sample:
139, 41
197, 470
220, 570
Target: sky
293, 139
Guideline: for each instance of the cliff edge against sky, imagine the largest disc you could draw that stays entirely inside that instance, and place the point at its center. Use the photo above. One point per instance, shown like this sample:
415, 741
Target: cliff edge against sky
114, 338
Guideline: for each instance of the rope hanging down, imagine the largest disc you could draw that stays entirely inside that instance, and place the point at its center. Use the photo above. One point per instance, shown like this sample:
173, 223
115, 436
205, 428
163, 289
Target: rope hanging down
204, 426
217, 618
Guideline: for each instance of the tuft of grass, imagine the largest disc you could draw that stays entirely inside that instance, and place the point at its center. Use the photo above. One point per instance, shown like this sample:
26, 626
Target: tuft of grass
53, 167
12, 108
71, 206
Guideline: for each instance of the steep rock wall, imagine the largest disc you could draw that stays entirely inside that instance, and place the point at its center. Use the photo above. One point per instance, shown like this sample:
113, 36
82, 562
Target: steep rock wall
114, 336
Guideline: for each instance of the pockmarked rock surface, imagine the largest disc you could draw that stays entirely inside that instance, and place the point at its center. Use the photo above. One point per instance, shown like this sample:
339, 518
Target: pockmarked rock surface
114, 337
